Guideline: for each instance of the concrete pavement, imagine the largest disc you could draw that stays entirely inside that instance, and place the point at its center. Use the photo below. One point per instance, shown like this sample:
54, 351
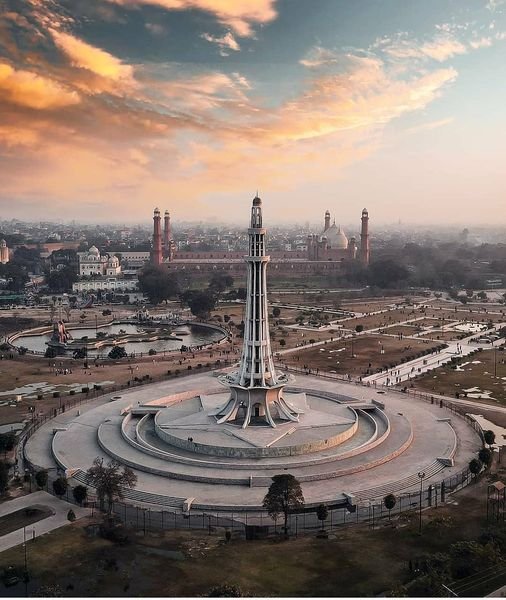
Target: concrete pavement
60, 509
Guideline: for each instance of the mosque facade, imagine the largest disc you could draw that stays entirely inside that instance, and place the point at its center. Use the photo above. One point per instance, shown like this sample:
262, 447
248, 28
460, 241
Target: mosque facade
327, 252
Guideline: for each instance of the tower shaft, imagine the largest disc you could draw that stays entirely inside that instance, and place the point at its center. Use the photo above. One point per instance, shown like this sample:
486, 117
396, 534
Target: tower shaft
256, 389
364, 239
156, 253
257, 367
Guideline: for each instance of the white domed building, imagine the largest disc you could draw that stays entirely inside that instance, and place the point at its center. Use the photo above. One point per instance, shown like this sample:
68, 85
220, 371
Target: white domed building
332, 244
93, 263
336, 238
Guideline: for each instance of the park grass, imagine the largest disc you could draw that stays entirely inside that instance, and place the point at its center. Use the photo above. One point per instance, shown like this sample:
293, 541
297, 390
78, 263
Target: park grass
448, 381
366, 350
355, 561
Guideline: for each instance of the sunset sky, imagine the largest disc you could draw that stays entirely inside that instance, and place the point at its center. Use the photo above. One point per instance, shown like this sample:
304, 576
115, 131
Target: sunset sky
111, 107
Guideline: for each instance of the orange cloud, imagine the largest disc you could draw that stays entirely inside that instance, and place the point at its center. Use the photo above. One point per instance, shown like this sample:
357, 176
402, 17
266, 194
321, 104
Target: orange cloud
28, 89
86, 56
239, 15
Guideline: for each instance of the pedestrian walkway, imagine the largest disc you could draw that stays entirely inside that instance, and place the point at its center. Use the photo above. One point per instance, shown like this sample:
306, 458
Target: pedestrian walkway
60, 509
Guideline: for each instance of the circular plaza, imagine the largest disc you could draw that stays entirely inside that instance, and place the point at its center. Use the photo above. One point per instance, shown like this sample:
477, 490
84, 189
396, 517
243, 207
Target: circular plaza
349, 442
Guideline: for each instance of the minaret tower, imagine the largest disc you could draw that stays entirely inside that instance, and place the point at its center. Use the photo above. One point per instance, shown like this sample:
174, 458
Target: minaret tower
364, 238
156, 252
256, 388
167, 236
327, 220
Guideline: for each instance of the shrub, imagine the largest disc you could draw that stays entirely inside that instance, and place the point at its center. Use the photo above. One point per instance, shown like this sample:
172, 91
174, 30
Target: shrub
41, 478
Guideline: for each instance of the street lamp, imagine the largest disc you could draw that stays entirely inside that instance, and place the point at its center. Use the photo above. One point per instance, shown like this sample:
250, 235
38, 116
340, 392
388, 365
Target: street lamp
421, 475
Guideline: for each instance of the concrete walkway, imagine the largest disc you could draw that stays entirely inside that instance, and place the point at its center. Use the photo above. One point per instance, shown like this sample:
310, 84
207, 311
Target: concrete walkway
60, 508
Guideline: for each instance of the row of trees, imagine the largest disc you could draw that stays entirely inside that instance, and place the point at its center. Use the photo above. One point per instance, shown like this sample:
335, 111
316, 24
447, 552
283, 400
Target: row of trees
161, 285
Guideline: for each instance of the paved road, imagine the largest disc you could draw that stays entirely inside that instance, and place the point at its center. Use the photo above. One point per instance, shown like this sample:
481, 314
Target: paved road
60, 509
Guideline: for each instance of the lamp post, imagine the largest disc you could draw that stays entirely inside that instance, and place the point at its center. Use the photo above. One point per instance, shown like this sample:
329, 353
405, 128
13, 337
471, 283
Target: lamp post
495, 361
421, 475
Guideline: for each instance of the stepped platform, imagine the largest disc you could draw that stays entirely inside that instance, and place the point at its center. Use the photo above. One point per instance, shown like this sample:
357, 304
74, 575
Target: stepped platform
384, 454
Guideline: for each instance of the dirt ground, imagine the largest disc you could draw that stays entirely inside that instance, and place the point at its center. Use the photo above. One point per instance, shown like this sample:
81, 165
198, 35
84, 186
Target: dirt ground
338, 357
477, 373
382, 319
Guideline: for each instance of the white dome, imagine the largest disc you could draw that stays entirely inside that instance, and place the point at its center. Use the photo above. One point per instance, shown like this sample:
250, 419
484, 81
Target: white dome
94, 250
336, 237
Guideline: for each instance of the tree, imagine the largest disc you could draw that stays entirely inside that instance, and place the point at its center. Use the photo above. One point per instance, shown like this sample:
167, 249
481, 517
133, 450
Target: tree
109, 480
7, 442
60, 486
61, 280
359, 328
80, 493
489, 437
475, 466
41, 478
322, 512
200, 302
470, 557
71, 516
485, 456
389, 501
220, 282
276, 312
386, 273
117, 353
284, 495
282, 342
158, 284
4, 477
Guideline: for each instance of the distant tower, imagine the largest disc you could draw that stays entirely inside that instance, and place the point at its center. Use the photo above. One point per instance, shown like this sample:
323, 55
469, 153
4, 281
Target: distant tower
256, 389
156, 252
352, 248
167, 237
327, 220
364, 239
4, 252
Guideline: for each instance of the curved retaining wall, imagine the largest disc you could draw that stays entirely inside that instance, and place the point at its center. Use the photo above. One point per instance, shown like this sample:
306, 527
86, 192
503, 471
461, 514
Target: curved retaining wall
257, 481
154, 451
163, 472
255, 452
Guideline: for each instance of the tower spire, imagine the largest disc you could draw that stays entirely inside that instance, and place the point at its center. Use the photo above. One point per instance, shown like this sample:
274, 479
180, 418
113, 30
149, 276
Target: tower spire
256, 388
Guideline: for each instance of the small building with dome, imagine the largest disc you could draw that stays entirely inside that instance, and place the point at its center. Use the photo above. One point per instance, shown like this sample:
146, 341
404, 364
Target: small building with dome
94, 264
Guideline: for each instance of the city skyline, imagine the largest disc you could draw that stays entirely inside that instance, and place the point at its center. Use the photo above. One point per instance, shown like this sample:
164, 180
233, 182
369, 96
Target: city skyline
111, 107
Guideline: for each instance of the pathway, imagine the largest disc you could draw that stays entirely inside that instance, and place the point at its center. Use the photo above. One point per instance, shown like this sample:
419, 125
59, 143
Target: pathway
60, 509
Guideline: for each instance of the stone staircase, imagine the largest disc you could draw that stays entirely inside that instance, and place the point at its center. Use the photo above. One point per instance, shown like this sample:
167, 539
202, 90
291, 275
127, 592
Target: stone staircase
137, 495
401, 484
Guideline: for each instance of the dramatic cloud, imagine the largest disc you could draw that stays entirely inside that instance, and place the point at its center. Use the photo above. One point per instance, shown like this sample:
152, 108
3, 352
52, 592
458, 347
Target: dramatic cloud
86, 56
238, 15
33, 91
